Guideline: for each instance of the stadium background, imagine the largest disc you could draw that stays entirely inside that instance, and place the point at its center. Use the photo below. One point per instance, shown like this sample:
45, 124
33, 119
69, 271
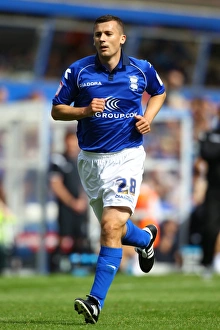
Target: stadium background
39, 39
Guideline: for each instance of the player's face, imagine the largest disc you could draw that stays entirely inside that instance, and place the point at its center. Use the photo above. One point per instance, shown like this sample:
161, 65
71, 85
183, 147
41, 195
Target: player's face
108, 38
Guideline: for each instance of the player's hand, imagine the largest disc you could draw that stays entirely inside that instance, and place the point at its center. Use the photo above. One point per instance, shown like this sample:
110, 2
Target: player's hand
97, 105
142, 124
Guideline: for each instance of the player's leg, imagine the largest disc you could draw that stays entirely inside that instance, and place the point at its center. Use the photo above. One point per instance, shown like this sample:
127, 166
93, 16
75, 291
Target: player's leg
135, 236
143, 243
112, 224
130, 178
119, 196
109, 259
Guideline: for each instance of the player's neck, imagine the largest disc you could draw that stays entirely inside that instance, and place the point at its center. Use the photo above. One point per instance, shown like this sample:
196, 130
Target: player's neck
111, 62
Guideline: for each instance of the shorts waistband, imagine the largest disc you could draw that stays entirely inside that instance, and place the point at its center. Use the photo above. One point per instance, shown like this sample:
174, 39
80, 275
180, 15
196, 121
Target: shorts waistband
100, 155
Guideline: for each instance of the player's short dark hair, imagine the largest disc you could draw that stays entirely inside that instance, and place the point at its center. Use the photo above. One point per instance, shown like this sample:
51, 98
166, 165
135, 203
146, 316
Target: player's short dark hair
108, 18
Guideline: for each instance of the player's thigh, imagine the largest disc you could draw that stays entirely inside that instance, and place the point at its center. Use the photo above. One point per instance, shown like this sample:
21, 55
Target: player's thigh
114, 218
123, 182
97, 206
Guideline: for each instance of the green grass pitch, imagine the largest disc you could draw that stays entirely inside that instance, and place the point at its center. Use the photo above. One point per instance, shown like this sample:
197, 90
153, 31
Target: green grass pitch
165, 302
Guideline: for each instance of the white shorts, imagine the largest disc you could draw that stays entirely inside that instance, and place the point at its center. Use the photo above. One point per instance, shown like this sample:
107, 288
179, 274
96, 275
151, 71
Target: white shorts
112, 179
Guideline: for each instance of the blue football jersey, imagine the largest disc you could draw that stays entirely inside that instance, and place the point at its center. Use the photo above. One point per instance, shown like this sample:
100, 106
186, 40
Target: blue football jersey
114, 128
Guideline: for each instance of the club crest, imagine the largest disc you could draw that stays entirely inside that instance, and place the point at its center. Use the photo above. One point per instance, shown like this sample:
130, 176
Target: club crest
133, 83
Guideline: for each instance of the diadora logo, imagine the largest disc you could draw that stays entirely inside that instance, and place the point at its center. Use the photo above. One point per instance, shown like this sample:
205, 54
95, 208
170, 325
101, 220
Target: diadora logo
129, 198
91, 83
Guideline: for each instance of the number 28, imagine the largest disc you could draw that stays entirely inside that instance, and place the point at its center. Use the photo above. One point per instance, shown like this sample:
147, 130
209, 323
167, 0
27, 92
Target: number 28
123, 188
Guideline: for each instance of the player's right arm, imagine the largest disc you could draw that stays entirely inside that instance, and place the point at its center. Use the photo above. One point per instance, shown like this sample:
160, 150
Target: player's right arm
66, 94
66, 112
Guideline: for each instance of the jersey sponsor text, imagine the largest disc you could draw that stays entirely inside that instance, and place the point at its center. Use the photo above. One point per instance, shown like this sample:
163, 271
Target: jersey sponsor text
115, 115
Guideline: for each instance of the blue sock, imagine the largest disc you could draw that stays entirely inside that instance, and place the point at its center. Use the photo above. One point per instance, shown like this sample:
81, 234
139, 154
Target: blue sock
135, 236
107, 265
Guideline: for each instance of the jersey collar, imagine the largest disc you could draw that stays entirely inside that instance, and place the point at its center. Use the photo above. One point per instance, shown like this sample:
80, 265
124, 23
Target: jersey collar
124, 60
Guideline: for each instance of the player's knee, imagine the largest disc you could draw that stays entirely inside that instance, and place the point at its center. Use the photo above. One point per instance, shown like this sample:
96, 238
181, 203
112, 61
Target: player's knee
110, 228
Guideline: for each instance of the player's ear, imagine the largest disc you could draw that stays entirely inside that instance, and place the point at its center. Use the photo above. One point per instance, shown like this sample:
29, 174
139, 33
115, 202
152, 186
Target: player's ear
123, 39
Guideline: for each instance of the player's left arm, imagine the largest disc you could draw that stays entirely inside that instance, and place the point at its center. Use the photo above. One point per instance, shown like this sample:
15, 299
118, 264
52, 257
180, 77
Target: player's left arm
153, 107
156, 89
